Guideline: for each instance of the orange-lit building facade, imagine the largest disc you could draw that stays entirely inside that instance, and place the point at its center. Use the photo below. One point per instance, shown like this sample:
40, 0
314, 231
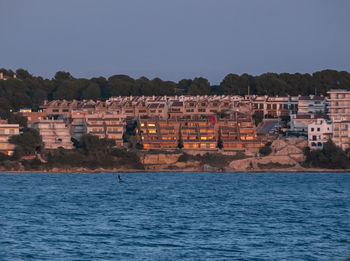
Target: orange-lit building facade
235, 131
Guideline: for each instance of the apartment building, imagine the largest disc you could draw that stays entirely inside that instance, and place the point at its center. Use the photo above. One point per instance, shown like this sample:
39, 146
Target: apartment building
274, 106
176, 110
107, 125
159, 134
32, 116
54, 133
319, 132
236, 131
6, 131
339, 113
77, 123
59, 107
198, 134
300, 122
312, 104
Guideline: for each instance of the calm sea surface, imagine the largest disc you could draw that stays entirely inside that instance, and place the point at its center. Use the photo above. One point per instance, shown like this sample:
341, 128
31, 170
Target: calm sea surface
175, 216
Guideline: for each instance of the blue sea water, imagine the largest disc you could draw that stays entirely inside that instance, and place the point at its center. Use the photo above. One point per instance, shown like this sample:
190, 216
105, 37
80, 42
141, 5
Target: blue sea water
175, 216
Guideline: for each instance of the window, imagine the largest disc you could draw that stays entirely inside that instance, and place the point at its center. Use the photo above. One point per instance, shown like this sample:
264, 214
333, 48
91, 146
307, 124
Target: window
65, 110
312, 129
55, 110
318, 129
314, 137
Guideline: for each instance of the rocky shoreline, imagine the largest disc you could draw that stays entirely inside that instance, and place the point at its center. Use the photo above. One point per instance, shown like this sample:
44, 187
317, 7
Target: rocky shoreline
286, 156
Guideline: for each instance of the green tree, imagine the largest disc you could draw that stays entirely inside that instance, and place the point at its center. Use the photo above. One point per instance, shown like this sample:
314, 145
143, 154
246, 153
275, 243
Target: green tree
330, 156
27, 143
93, 145
92, 91
265, 150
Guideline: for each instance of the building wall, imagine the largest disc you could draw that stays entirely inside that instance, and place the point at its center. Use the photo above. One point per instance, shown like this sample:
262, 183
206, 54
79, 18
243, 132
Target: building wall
54, 133
319, 132
339, 113
106, 125
6, 131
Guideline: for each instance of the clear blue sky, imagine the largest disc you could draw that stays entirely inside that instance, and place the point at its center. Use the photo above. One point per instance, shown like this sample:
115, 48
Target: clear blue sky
174, 39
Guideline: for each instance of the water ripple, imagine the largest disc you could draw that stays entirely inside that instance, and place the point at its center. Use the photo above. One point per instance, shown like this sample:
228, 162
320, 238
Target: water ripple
175, 216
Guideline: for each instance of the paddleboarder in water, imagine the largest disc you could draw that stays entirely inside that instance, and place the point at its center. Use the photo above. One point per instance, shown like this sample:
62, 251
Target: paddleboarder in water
119, 179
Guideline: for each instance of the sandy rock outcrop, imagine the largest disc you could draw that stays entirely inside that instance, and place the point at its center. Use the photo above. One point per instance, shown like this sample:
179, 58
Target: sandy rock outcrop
243, 164
283, 160
298, 157
278, 145
157, 159
288, 150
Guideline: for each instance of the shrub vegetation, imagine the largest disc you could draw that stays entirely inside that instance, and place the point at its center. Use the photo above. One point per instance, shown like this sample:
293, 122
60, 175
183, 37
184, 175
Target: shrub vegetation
329, 157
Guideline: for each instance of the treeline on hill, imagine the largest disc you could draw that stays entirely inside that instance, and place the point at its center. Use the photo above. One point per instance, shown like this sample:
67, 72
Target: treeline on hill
30, 91
89, 152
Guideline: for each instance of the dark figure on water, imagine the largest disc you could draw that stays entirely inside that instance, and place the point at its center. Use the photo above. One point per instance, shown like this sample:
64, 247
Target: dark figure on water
119, 179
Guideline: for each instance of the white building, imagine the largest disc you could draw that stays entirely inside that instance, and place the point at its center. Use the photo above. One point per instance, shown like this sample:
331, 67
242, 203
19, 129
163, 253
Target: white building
311, 104
54, 133
319, 132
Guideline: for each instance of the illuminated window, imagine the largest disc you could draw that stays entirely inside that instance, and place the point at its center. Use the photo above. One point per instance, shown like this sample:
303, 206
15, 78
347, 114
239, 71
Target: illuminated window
152, 131
203, 138
151, 125
142, 125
